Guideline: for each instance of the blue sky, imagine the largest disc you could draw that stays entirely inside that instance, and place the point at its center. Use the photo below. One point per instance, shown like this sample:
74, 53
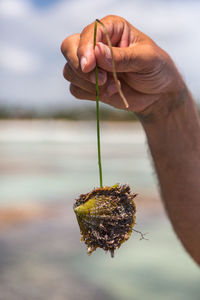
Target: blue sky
44, 3
31, 33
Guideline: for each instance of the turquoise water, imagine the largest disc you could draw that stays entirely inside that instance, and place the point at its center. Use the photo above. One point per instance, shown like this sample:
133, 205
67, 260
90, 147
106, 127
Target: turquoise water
47, 161
53, 162
153, 269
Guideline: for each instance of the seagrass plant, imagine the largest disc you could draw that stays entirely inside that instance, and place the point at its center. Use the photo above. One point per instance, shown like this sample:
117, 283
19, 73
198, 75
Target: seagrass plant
106, 215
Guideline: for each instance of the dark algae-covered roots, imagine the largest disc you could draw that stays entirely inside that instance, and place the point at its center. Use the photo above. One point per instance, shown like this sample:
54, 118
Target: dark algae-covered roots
106, 217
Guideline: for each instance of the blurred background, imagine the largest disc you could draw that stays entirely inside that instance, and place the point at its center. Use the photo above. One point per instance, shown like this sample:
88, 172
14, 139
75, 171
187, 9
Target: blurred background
48, 157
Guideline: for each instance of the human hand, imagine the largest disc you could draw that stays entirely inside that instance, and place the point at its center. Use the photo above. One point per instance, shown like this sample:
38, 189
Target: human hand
146, 72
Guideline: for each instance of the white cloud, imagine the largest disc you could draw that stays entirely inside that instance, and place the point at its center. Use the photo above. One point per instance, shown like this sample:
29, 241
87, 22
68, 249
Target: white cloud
14, 8
18, 60
36, 35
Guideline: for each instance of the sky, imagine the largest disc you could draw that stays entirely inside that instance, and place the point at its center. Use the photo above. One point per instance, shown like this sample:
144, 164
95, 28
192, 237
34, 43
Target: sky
31, 32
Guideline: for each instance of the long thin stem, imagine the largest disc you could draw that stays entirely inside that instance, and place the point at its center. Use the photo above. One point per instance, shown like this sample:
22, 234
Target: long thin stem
97, 113
97, 91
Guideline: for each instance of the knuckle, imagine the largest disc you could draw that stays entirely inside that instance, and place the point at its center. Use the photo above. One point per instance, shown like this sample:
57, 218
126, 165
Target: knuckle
86, 28
80, 51
148, 57
113, 18
154, 55
63, 46
66, 43
74, 90
68, 73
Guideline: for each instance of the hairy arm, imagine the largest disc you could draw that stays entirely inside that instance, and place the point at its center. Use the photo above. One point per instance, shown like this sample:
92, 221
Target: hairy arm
174, 141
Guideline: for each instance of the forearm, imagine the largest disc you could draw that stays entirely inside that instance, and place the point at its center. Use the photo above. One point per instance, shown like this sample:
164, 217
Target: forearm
174, 141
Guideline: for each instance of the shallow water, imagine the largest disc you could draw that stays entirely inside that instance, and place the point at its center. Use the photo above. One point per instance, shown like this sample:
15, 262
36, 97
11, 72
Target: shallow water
49, 164
45, 161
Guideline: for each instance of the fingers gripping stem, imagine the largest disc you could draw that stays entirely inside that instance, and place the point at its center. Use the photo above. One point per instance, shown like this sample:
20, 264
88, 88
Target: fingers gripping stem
97, 92
113, 62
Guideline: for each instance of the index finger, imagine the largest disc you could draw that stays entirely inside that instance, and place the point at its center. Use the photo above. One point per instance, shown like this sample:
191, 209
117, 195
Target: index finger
118, 32
85, 50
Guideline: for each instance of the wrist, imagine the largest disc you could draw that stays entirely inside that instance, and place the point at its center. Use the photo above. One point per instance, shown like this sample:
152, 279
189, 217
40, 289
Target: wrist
176, 120
168, 104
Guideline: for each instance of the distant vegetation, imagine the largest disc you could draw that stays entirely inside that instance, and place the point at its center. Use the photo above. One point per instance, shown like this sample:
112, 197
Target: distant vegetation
85, 114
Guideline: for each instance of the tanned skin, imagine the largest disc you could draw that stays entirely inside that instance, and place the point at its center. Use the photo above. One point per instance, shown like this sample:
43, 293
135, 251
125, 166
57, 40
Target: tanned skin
157, 93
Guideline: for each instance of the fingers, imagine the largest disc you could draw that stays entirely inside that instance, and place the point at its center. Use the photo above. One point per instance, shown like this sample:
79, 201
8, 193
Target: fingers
69, 50
136, 58
138, 102
71, 74
132, 50
80, 93
108, 88
118, 31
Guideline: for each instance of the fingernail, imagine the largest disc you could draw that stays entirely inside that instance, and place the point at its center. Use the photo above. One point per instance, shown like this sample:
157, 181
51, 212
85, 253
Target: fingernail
83, 62
111, 89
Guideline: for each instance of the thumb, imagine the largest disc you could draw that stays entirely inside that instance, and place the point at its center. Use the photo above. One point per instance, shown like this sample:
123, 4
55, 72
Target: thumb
129, 59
